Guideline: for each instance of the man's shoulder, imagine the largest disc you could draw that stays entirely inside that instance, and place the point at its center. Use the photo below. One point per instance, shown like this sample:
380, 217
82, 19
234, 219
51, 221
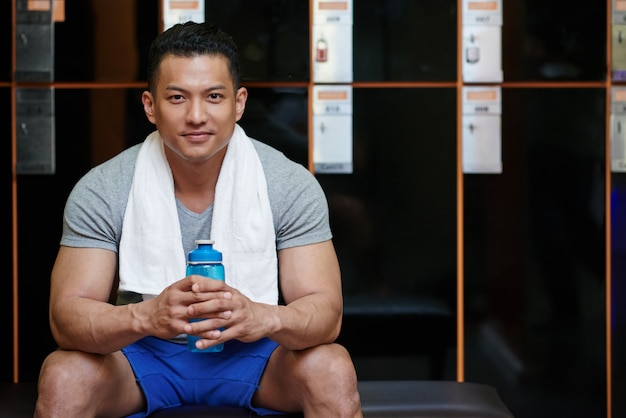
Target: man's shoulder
264, 150
112, 176
125, 158
273, 159
122, 163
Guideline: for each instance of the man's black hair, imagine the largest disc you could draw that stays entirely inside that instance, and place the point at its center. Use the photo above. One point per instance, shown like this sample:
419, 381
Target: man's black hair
192, 39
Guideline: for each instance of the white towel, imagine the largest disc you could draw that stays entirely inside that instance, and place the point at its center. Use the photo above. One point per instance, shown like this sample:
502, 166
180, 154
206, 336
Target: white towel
151, 252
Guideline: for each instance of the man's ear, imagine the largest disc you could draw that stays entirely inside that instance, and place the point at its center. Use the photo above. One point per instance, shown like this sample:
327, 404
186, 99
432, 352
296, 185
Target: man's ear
240, 101
148, 105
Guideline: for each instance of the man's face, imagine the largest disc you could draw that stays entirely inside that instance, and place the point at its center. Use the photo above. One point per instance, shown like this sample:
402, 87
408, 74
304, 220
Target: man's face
194, 105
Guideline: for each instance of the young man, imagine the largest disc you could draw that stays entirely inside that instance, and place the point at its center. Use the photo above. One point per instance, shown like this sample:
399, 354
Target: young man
197, 176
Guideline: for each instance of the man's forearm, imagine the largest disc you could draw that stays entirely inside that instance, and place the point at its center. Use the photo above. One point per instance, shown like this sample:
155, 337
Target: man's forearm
96, 327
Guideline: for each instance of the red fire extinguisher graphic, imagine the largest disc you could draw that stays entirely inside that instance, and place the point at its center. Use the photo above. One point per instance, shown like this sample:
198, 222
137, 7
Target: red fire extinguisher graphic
321, 50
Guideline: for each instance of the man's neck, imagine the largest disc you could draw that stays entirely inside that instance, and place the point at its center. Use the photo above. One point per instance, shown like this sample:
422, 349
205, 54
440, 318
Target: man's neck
194, 183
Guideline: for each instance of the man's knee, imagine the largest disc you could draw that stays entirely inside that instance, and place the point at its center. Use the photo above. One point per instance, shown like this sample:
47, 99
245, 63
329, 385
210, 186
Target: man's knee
330, 363
69, 381
63, 371
331, 378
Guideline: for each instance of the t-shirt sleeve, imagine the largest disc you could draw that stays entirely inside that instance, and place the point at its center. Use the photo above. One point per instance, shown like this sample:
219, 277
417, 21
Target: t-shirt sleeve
94, 210
302, 215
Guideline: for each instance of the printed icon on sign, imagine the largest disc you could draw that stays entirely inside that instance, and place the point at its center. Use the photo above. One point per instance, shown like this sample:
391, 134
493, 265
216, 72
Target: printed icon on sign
321, 50
472, 53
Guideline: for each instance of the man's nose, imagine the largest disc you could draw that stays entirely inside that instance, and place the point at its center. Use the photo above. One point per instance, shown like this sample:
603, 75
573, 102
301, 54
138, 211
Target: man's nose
197, 112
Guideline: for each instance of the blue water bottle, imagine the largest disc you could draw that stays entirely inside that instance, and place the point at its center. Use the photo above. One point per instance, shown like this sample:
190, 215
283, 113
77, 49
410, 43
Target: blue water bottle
205, 261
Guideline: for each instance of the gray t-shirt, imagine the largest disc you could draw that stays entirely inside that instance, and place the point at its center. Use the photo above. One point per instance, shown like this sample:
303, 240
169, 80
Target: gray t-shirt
94, 211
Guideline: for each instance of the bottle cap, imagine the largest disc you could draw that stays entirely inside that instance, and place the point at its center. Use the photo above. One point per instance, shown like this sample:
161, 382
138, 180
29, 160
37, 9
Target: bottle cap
204, 241
204, 252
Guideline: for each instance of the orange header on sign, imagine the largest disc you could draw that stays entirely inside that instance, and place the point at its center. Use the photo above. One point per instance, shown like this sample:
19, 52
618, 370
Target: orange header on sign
332, 95
482, 95
175, 5
333, 5
482, 5
620, 95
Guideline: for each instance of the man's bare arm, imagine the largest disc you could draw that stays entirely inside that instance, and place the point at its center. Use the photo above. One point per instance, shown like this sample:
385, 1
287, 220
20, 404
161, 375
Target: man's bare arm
81, 317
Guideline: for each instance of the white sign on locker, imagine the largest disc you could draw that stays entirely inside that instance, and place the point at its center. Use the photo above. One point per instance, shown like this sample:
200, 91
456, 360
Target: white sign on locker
180, 11
332, 42
482, 41
332, 129
618, 130
482, 139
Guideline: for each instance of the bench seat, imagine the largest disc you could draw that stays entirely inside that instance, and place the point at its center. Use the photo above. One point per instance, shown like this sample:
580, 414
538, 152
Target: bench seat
379, 399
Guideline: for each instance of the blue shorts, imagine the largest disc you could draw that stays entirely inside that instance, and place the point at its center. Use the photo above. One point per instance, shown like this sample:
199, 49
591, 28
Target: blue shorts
170, 375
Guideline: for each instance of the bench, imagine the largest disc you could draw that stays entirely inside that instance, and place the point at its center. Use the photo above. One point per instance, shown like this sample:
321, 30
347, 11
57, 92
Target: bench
379, 399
